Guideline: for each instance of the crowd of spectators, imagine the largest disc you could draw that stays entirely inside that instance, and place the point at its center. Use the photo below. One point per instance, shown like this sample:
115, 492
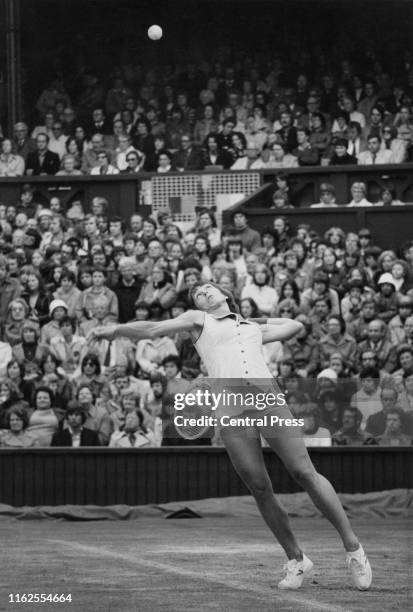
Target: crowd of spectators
63, 272
235, 117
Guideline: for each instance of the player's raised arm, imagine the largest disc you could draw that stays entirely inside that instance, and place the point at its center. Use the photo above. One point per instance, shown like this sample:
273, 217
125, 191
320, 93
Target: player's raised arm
138, 330
278, 328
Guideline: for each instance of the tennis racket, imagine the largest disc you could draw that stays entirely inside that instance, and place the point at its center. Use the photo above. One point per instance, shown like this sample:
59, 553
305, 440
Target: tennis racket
191, 421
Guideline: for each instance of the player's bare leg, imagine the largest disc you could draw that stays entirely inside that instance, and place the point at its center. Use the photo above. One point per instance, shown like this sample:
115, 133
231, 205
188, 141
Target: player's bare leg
293, 453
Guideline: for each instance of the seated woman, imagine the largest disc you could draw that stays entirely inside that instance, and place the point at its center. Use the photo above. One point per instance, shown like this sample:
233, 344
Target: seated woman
9, 394
97, 417
16, 315
98, 289
158, 288
388, 197
358, 193
45, 419
91, 374
15, 375
133, 434
260, 290
16, 435
30, 352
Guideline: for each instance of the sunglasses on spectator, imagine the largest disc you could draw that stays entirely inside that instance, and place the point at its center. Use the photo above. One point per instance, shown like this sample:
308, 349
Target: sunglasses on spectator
129, 159
286, 310
89, 363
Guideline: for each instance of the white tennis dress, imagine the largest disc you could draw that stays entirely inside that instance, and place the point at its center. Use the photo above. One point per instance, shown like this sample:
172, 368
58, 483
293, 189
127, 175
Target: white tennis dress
231, 347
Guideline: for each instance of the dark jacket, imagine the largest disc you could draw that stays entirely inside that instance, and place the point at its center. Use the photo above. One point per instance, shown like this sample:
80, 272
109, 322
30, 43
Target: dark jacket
51, 163
127, 297
64, 438
189, 160
223, 159
41, 308
376, 424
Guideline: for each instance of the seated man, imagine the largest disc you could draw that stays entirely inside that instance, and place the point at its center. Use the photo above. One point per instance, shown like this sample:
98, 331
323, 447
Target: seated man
75, 434
395, 433
350, 433
375, 154
377, 423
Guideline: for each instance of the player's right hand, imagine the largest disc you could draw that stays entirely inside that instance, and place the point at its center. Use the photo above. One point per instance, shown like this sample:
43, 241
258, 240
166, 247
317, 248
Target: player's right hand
101, 333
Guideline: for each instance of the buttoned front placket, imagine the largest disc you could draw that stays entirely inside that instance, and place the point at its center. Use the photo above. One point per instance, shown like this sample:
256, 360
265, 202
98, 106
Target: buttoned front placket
242, 349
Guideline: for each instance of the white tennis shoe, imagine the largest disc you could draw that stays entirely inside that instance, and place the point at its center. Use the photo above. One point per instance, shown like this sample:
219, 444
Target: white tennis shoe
360, 568
296, 572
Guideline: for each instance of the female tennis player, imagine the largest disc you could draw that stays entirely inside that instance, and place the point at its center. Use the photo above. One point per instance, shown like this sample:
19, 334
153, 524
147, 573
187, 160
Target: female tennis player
230, 347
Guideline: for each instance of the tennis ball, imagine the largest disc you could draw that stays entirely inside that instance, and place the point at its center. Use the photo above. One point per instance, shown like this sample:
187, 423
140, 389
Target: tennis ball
155, 32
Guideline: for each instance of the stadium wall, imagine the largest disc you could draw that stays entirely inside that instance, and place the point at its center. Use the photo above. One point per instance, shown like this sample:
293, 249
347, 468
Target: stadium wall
104, 477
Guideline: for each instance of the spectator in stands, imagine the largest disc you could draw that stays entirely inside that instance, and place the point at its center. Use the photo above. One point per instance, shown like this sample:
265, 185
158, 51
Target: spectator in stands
337, 341
327, 196
279, 158
214, 156
158, 288
367, 399
314, 434
68, 166
320, 288
350, 433
386, 298
206, 126
303, 350
340, 156
14, 321
133, 434
260, 291
44, 420
287, 133
90, 157
250, 160
97, 290
358, 192
385, 352
57, 142
356, 141
391, 142
22, 144
375, 154
134, 162
97, 418
36, 298
388, 198
74, 434
304, 151
16, 434
165, 162
320, 138
358, 327
104, 167
369, 98
188, 157
250, 238
10, 163
395, 429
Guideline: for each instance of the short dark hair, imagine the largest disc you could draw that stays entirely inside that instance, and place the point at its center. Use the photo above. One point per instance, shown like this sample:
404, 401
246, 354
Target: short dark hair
172, 359
70, 320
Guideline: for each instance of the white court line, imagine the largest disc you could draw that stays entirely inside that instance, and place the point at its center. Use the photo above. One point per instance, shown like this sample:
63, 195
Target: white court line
308, 604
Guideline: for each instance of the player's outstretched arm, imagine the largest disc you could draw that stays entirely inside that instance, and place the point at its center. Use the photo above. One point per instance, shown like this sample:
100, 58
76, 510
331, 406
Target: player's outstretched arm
278, 328
140, 330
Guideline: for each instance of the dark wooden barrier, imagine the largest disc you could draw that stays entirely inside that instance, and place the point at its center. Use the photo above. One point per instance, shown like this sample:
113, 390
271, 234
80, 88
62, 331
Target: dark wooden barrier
111, 476
391, 227
121, 191
305, 182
